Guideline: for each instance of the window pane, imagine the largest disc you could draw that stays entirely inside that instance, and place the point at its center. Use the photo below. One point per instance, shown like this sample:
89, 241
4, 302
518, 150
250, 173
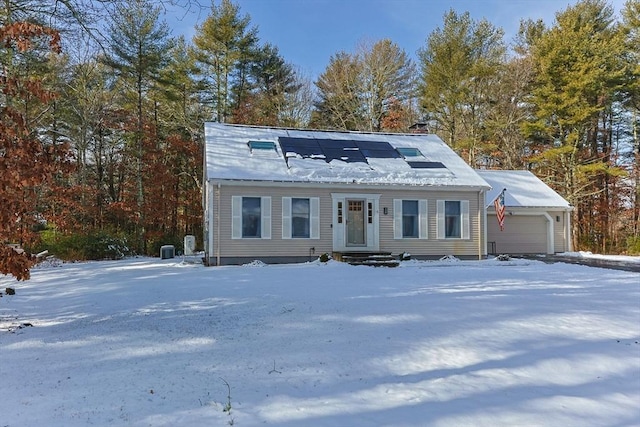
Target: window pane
410, 218
452, 219
300, 218
251, 217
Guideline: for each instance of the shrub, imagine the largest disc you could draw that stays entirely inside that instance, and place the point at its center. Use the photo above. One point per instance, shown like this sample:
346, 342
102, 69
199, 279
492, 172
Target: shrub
94, 245
633, 245
325, 257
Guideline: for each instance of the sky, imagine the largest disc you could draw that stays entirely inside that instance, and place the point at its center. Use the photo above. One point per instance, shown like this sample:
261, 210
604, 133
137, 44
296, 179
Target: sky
309, 32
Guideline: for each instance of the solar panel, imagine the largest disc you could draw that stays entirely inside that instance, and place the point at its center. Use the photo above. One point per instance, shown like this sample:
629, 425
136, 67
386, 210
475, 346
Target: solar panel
338, 149
427, 165
305, 147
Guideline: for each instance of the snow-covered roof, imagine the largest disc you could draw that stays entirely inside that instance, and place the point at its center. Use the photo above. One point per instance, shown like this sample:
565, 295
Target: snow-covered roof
524, 189
235, 152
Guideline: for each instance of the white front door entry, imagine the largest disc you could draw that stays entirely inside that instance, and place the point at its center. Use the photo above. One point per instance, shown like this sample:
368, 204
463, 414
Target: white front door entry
355, 222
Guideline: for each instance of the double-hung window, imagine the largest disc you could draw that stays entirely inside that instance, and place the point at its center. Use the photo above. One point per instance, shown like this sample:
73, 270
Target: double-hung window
410, 219
453, 219
251, 217
300, 218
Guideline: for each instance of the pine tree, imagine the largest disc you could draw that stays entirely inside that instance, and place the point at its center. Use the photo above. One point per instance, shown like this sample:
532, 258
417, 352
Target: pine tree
138, 49
578, 73
224, 46
459, 66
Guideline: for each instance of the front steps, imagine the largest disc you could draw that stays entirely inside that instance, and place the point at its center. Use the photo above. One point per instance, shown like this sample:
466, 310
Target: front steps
374, 259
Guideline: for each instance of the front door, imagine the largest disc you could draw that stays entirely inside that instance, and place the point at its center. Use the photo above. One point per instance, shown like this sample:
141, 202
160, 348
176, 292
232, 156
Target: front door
355, 222
356, 231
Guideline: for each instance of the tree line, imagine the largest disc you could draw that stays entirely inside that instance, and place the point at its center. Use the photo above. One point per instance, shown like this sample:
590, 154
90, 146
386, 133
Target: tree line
102, 114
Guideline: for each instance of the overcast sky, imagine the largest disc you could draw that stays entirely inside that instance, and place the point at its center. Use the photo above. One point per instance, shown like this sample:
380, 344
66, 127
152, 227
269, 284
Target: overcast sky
308, 32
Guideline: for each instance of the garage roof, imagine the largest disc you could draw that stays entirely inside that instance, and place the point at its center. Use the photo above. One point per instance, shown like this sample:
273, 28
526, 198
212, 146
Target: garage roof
524, 189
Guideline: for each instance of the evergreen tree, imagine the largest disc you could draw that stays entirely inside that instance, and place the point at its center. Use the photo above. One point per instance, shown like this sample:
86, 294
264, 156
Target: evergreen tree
138, 49
578, 73
224, 46
459, 67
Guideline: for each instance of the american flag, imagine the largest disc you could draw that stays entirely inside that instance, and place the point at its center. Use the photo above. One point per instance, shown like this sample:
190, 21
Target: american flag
499, 205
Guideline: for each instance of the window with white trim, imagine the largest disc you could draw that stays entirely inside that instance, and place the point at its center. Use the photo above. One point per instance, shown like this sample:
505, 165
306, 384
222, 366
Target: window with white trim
300, 218
453, 219
410, 219
250, 217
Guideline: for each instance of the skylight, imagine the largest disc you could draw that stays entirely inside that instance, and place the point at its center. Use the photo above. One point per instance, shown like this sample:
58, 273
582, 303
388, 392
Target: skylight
409, 152
262, 145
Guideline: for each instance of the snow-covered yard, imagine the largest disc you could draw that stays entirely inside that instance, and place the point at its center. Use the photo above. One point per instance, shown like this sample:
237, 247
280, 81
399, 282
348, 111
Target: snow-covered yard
149, 342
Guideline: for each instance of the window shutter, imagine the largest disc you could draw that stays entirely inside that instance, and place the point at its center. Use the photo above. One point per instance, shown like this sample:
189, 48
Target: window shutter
265, 213
236, 217
314, 217
397, 218
286, 217
422, 215
464, 210
440, 219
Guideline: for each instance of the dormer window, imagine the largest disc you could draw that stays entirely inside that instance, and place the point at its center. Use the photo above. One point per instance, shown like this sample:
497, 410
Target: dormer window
409, 152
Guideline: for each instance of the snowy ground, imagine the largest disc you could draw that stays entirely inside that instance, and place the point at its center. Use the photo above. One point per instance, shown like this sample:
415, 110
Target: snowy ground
149, 342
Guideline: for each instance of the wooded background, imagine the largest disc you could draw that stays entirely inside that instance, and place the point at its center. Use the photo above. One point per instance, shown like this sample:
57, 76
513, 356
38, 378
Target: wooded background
101, 137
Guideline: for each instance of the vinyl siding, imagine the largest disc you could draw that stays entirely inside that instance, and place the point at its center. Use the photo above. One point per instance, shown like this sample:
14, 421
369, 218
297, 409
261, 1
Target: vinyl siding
559, 228
431, 246
276, 246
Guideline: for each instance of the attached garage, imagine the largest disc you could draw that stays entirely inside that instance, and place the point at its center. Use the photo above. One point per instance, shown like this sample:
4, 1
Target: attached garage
536, 218
524, 234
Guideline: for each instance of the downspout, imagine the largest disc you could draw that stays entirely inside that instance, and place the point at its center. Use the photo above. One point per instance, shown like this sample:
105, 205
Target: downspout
218, 225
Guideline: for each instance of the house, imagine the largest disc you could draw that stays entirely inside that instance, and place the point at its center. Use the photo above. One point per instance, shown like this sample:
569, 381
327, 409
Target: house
289, 195
537, 219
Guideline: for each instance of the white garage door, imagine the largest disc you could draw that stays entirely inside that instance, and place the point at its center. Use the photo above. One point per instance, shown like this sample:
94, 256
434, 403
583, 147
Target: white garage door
521, 235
